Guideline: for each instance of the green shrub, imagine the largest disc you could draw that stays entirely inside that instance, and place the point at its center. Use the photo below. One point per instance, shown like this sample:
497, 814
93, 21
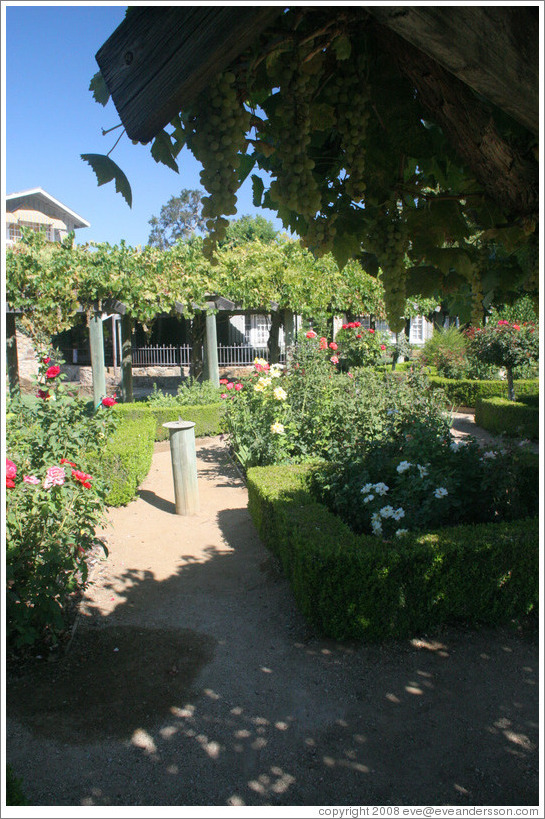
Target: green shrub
189, 393
208, 419
357, 587
465, 392
127, 458
518, 419
446, 350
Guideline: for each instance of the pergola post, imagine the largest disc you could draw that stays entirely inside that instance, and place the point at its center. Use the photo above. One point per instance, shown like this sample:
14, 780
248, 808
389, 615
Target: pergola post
11, 353
126, 359
211, 350
96, 342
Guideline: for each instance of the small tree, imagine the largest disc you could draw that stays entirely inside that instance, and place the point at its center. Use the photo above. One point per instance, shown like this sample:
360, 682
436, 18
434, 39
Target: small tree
179, 219
505, 344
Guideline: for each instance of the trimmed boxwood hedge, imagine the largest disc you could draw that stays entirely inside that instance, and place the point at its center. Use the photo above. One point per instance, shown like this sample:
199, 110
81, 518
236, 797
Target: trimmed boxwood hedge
351, 586
208, 418
519, 419
126, 459
465, 392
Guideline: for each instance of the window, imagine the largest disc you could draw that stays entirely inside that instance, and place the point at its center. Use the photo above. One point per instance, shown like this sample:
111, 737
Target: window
13, 231
257, 330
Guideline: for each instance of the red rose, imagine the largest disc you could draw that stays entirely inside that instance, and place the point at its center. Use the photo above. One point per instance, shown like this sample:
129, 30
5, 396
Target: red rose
42, 394
371, 330
224, 380
359, 335
516, 327
230, 385
52, 372
238, 387
333, 346
82, 477
46, 360
311, 334
66, 461
11, 469
345, 327
323, 343
383, 346
108, 402
357, 324
10, 484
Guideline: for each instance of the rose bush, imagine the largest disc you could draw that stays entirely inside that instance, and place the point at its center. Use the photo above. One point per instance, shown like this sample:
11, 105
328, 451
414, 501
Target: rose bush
360, 347
323, 412
505, 344
53, 502
51, 517
423, 479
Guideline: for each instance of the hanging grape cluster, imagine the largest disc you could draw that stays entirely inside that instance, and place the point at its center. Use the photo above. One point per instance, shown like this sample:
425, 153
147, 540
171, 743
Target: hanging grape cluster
295, 186
390, 243
216, 135
349, 92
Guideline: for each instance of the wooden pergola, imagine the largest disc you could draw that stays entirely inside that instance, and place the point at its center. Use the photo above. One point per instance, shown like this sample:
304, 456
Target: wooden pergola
99, 311
160, 58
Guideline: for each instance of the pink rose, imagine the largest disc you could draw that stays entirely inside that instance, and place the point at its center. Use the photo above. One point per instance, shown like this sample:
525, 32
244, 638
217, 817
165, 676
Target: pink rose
311, 334
11, 469
30, 479
333, 346
238, 387
224, 380
55, 476
230, 385
223, 395
52, 372
334, 359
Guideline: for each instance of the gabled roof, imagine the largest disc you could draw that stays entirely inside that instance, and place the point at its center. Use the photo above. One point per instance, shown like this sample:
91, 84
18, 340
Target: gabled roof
12, 198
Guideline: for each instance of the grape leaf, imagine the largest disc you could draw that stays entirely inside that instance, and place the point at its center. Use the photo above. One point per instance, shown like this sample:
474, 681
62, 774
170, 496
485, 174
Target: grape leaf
257, 190
106, 170
99, 88
246, 163
342, 47
162, 150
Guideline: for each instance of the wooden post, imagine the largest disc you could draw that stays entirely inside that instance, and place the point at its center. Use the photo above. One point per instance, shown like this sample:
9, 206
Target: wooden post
126, 359
184, 466
96, 341
211, 344
11, 353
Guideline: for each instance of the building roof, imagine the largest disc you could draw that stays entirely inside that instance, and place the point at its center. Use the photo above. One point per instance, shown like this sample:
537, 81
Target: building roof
16, 201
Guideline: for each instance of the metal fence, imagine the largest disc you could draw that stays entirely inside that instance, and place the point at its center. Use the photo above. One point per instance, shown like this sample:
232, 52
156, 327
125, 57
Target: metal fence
161, 355
235, 355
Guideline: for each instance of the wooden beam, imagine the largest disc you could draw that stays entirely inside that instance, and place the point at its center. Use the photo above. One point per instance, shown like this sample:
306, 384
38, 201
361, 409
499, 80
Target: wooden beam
160, 58
492, 49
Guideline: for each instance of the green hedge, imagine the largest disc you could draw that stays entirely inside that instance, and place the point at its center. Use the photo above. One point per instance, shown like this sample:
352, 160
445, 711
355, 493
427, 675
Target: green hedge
356, 587
208, 418
126, 460
465, 392
519, 419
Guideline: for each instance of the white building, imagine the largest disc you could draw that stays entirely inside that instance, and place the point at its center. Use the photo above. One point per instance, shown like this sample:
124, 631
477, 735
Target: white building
38, 210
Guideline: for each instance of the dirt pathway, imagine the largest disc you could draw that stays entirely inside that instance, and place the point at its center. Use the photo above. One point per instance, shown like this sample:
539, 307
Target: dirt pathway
192, 680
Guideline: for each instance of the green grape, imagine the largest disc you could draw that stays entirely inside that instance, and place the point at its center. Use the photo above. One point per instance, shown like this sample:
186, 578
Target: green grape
217, 137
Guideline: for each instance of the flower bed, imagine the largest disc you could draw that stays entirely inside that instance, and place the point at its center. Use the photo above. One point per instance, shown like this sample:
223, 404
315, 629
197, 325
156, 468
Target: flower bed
351, 586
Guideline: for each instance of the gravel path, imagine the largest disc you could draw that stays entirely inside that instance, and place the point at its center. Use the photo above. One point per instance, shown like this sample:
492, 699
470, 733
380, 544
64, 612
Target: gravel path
192, 680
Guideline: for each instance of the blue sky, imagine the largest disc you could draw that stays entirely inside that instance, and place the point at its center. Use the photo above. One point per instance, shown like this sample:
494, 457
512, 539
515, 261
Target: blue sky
51, 118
